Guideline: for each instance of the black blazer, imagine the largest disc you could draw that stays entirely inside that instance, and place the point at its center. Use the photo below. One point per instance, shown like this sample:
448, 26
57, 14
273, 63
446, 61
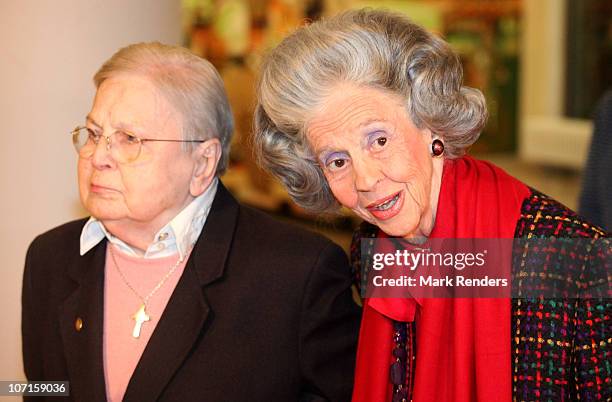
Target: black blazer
263, 312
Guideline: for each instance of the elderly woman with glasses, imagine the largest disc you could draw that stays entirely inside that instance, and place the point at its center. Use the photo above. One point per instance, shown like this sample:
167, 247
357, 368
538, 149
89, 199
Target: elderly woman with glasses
171, 290
367, 110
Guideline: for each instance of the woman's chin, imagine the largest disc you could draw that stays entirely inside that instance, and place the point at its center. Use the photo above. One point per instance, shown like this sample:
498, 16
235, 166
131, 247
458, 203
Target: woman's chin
398, 226
104, 212
405, 231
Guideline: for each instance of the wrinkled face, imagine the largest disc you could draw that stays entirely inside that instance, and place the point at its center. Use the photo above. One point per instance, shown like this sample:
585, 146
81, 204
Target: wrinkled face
377, 163
148, 192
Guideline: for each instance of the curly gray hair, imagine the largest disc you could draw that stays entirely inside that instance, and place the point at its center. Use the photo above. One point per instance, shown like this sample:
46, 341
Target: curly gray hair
190, 83
374, 48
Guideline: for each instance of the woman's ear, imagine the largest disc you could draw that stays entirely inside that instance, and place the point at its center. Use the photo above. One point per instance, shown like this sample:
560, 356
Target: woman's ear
206, 156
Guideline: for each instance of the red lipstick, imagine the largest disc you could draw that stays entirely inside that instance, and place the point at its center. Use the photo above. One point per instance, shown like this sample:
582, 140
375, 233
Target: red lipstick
388, 207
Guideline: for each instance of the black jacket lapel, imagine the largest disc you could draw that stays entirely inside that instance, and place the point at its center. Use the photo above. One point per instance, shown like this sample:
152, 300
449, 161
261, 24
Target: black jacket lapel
182, 322
83, 347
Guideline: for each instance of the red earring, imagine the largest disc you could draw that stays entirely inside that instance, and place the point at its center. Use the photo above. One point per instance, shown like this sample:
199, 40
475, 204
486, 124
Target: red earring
437, 147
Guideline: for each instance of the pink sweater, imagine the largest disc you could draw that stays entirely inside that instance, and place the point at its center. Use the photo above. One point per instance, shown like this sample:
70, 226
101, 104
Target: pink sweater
122, 351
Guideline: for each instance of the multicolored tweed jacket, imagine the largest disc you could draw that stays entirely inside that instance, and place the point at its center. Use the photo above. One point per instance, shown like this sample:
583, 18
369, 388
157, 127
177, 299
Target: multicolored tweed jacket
560, 347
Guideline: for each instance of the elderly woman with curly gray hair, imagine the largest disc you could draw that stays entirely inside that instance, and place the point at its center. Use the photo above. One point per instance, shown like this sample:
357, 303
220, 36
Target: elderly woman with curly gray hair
368, 110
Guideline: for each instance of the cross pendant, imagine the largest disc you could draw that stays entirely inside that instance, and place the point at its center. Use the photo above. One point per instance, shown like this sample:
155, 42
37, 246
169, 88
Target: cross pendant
140, 317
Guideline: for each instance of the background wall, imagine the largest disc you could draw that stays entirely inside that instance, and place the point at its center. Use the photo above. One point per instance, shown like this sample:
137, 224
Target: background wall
50, 51
546, 135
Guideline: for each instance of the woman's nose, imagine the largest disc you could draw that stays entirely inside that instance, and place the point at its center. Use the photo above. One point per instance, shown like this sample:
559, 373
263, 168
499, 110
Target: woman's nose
102, 153
367, 174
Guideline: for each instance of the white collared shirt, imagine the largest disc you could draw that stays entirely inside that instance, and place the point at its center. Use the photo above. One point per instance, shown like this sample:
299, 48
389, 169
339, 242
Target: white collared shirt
180, 234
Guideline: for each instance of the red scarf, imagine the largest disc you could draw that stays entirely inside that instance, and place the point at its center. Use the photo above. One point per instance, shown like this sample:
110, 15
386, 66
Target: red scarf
463, 345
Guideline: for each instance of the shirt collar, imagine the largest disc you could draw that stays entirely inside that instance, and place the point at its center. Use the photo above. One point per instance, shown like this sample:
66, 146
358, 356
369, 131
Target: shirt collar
179, 235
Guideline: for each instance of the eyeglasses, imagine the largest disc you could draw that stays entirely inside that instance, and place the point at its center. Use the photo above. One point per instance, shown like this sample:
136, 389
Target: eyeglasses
124, 148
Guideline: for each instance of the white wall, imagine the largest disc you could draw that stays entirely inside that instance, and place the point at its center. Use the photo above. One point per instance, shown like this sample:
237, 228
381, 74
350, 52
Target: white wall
49, 50
546, 136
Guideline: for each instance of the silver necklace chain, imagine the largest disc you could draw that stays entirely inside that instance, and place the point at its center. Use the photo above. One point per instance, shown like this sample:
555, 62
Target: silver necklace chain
159, 284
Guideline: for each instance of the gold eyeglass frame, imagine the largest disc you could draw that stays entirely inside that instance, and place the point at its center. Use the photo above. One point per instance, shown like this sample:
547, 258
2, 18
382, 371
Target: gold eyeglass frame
96, 140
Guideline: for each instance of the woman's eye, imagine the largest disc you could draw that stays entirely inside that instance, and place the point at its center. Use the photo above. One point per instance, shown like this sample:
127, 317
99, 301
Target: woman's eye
93, 136
126, 138
336, 164
131, 139
380, 142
